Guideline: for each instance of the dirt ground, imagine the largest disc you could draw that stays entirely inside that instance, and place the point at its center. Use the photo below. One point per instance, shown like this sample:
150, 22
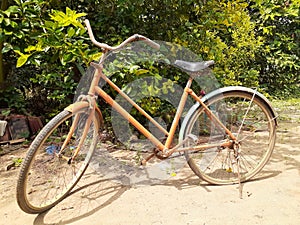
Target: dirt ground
273, 197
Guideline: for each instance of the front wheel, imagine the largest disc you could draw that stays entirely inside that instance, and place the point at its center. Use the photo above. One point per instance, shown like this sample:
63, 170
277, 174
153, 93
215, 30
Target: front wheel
250, 118
45, 178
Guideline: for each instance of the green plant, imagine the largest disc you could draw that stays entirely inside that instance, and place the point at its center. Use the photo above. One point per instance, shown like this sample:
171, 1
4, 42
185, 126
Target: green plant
5, 112
17, 161
14, 99
278, 22
254, 43
51, 49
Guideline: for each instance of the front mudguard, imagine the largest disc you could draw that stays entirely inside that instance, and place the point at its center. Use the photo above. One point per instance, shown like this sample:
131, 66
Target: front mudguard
221, 91
83, 104
76, 106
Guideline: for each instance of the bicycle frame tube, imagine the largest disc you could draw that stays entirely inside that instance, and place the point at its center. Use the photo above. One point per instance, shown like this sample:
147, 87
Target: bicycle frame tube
115, 87
129, 118
170, 135
92, 104
211, 116
94, 88
178, 113
133, 121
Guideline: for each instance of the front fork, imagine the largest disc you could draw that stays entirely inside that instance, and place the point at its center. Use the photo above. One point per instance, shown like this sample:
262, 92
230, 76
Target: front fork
86, 101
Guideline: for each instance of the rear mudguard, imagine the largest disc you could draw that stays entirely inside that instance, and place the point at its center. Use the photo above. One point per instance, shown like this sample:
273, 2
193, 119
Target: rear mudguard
221, 91
83, 104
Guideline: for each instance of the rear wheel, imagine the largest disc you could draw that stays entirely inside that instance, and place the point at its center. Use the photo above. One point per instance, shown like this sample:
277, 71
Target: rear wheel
250, 119
45, 179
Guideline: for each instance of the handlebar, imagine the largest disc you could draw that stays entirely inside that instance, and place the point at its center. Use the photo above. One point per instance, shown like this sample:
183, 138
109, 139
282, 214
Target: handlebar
135, 37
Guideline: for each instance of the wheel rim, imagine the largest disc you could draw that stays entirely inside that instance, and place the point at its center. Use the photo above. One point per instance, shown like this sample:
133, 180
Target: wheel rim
50, 178
256, 137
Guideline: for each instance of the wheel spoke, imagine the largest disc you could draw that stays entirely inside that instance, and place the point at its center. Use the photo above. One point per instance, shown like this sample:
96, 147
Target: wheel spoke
244, 118
249, 118
46, 176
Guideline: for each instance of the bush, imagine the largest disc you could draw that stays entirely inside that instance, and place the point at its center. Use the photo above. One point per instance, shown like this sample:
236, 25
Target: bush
46, 49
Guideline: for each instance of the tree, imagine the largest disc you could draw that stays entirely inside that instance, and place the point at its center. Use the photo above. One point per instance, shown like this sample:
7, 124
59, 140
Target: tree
47, 44
278, 23
255, 43
219, 30
4, 6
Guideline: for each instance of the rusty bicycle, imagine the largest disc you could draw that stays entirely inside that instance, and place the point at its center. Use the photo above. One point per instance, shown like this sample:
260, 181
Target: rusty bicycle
226, 137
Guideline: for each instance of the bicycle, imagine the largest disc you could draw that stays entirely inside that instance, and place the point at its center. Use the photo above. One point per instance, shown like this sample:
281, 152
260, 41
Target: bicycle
227, 136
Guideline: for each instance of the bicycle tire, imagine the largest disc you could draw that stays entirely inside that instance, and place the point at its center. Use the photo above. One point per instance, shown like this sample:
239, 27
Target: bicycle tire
243, 111
43, 179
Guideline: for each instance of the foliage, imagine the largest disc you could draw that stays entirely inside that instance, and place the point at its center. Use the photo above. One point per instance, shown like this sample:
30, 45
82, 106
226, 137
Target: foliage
17, 161
222, 31
278, 60
254, 43
48, 44
218, 30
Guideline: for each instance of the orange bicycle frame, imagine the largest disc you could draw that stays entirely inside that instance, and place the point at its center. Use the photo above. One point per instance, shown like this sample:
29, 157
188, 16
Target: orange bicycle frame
165, 148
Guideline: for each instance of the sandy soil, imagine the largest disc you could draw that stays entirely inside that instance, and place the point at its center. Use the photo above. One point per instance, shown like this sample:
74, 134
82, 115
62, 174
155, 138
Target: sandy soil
273, 197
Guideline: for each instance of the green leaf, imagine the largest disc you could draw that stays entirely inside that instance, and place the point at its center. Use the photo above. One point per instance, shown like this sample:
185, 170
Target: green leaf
50, 24
96, 56
38, 47
66, 79
71, 31
68, 18
19, 35
66, 58
12, 9
22, 59
133, 68
141, 71
6, 48
7, 32
7, 21
30, 48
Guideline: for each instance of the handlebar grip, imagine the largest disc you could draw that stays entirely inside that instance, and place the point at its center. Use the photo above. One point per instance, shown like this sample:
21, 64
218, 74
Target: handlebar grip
153, 44
210, 62
148, 42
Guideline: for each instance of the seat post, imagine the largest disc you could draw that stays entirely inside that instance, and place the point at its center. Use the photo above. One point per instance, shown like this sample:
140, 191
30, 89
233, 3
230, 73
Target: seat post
178, 113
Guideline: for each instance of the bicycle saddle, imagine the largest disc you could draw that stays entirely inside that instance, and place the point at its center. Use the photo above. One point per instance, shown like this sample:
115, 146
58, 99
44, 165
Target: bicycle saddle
193, 67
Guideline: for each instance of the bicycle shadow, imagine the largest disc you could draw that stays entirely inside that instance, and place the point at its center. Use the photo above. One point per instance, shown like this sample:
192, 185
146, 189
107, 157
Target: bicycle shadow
88, 197
92, 195
191, 181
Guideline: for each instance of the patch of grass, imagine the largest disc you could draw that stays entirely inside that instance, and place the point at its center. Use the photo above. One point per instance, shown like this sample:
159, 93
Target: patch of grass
288, 109
287, 103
